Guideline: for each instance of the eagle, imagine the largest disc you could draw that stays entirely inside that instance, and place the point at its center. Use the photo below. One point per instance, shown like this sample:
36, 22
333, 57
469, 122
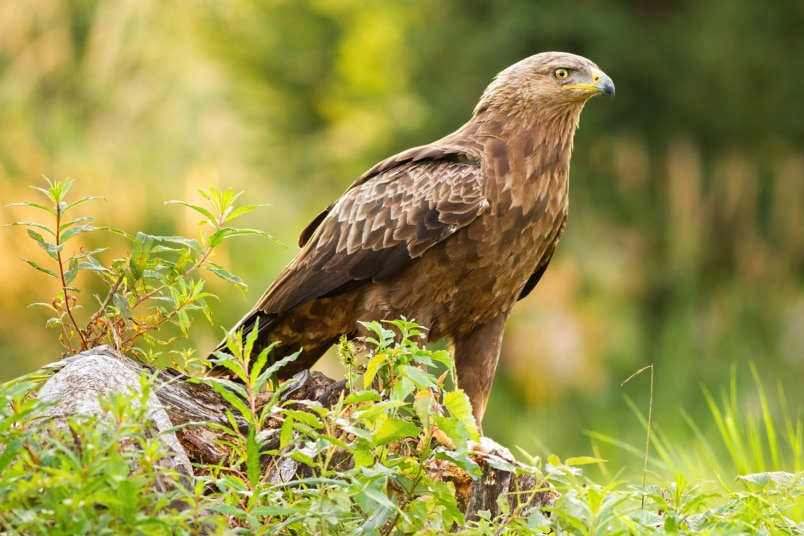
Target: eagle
451, 234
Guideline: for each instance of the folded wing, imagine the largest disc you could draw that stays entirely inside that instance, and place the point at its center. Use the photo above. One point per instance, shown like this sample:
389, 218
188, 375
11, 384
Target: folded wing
386, 220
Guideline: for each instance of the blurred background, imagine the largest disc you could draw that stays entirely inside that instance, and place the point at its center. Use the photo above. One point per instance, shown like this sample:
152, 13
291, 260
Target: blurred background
684, 247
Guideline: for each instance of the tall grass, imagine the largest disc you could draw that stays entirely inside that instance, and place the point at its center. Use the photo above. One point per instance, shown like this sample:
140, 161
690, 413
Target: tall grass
752, 465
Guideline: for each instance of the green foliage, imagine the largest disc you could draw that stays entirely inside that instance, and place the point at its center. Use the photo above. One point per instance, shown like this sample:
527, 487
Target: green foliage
758, 490
755, 438
152, 285
371, 459
91, 475
373, 463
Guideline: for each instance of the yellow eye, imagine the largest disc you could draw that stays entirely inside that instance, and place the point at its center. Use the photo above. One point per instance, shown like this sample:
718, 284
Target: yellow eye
561, 73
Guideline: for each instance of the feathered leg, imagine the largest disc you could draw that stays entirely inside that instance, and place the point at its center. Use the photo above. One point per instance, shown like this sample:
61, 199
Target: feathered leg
476, 355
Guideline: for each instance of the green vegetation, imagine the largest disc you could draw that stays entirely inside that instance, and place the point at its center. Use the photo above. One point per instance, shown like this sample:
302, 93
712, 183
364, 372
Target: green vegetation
376, 461
154, 285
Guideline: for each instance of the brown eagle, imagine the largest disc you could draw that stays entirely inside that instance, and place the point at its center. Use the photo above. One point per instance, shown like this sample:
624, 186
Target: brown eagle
451, 234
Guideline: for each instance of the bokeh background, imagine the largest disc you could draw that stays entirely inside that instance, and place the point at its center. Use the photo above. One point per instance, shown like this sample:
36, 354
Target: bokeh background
685, 244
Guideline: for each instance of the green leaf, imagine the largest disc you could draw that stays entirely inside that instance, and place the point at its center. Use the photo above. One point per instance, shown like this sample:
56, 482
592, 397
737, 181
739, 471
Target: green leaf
300, 456
245, 209
189, 243
140, 254
225, 359
259, 364
122, 304
79, 201
228, 510
362, 396
213, 197
33, 224
305, 417
419, 377
461, 459
225, 232
69, 233
273, 510
118, 232
443, 357
41, 268
370, 412
127, 495
501, 464
29, 204
217, 237
274, 368
72, 270
583, 460
453, 429
423, 406
201, 210
71, 223
402, 388
184, 320
286, 432
253, 470
379, 497
228, 394
459, 407
88, 254
52, 249
10, 450
762, 480
363, 458
225, 275
393, 430
372, 367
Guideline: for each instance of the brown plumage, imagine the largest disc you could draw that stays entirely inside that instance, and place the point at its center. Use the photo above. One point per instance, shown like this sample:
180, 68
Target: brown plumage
450, 234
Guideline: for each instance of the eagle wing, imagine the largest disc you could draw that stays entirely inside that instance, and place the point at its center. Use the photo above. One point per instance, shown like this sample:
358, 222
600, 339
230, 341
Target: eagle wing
388, 218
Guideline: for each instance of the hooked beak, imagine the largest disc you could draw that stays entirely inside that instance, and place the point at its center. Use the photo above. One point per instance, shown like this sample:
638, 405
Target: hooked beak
600, 83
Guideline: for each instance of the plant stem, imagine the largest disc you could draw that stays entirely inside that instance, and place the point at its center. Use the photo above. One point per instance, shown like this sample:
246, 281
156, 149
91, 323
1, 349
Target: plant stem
650, 416
109, 296
64, 282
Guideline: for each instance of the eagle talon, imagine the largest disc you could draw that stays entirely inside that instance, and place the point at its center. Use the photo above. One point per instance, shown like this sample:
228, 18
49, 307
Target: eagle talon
489, 447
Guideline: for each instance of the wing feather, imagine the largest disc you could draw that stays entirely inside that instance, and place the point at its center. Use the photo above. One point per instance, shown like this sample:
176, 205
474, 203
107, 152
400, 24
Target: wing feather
386, 219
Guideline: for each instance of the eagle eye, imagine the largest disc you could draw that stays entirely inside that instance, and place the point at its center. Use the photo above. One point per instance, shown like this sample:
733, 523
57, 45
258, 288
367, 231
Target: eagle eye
561, 73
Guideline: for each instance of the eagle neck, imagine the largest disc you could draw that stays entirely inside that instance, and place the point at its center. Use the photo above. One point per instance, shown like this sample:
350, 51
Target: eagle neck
539, 136
528, 151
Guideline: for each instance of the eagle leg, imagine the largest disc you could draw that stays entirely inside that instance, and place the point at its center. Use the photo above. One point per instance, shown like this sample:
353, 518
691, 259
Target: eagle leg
476, 355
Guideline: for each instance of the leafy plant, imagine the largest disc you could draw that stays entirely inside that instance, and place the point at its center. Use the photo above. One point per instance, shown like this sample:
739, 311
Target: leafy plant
761, 490
371, 460
375, 462
154, 284
92, 475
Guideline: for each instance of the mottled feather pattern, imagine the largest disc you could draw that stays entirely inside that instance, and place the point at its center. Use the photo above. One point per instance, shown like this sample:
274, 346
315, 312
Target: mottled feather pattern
381, 224
451, 234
